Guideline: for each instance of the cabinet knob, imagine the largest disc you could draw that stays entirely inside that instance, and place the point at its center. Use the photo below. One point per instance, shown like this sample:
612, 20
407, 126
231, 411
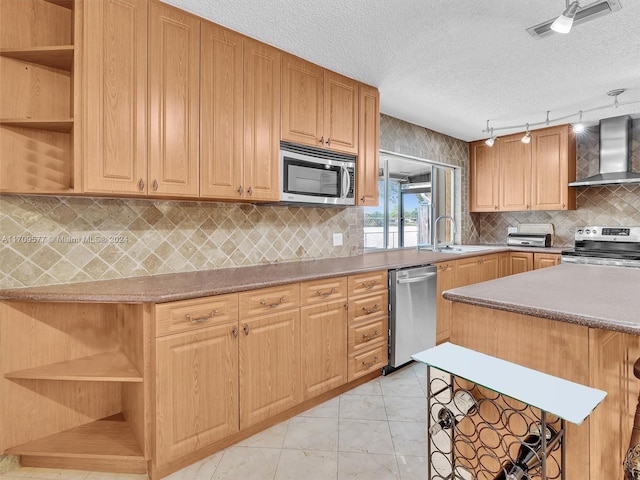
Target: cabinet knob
563, 205
329, 142
240, 190
246, 329
155, 185
528, 207
235, 332
141, 185
495, 207
250, 191
362, 199
321, 141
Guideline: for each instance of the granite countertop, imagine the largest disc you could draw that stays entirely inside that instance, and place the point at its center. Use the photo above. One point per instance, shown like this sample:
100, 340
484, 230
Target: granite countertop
182, 286
590, 295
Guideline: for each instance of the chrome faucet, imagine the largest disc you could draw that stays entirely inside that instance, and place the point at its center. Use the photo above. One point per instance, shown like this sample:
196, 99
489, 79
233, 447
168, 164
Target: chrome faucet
435, 230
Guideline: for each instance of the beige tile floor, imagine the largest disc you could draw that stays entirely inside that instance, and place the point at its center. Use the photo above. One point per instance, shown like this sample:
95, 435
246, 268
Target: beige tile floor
374, 432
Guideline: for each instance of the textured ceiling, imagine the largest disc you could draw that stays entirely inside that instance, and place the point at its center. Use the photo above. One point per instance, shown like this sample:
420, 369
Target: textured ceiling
451, 65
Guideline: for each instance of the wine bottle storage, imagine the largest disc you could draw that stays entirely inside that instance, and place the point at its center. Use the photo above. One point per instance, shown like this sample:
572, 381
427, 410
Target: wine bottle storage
476, 433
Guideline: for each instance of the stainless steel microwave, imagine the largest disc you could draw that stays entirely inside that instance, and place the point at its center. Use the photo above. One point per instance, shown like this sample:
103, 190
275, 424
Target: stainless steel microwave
316, 176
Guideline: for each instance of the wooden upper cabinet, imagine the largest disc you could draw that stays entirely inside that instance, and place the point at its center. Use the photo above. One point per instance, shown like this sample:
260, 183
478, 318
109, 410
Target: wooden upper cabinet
515, 174
115, 97
340, 113
319, 107
261, 121
174, 101
553, 167
302, 102
367, 181
221, 123
483, 178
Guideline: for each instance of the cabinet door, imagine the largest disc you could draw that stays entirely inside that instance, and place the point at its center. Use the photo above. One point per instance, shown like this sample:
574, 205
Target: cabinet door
221, 113
467, 272
115, 97
520, 262
543, 260
483, 178
504, 259
302, 101
174, 101
261, 121
323, 339
340, 113
446, 278
553, 166
269, 365
515, 174
489, 267
196, 390
367, 179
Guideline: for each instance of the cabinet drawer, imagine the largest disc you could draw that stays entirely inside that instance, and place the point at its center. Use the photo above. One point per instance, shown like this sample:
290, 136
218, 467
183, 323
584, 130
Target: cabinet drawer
368, 283
371, 306
269, 300
319, 291
368, 361
198, 313
363, 335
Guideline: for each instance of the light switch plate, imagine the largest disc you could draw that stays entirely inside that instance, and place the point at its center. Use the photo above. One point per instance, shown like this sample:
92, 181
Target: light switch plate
512, 229
337, 239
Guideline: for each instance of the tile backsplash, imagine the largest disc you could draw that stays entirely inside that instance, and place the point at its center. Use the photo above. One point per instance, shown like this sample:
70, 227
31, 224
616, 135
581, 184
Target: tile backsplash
614, 205
49, 240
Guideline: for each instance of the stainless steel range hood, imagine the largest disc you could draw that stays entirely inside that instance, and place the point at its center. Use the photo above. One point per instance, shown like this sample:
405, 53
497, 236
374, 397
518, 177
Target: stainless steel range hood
615, 155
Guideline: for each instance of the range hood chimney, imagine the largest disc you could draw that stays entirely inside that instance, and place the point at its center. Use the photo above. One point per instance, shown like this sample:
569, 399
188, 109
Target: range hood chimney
615, 155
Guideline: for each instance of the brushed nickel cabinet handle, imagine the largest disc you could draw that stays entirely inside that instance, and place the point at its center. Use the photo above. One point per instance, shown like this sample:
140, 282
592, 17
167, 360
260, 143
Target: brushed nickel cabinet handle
272, 305
370, 364
371, 310
246, 329
155, 185
235, 332
369, 285
326, 294
367, 337
141, 185
193, 319
240, 190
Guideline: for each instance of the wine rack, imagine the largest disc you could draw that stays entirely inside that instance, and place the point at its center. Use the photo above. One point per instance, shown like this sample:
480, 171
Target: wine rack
482, 442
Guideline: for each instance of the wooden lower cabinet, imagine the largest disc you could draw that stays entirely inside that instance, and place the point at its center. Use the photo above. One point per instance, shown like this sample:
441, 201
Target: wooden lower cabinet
543, 260
323, 340
196, 390
520, 262
269, 365
446, 278
476, 269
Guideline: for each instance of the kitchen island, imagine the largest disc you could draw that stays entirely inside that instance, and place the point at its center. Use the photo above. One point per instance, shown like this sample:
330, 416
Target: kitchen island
576, 322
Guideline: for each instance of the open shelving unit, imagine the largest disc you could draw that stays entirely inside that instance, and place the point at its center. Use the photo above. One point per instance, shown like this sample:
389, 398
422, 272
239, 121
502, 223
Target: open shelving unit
73, 392
38, 62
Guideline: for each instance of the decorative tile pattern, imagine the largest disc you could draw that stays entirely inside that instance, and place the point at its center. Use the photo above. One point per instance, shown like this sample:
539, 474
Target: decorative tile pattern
49, 240
615, 205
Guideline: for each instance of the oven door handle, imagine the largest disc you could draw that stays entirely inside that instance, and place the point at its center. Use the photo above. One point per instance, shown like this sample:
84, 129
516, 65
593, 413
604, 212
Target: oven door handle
417, 279
346, 182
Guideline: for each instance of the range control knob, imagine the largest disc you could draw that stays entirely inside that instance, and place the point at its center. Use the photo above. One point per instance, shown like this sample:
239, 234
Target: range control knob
587, 231
594, 231
580, 231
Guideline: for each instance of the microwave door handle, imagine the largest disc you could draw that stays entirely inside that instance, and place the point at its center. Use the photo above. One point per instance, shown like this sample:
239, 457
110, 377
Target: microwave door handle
346, 182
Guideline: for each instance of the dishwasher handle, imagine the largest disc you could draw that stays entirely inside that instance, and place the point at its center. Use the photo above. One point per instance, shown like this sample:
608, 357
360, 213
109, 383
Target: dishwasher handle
416, 279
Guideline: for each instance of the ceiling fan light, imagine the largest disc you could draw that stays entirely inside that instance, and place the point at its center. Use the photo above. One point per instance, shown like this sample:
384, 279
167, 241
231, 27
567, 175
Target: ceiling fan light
564, 22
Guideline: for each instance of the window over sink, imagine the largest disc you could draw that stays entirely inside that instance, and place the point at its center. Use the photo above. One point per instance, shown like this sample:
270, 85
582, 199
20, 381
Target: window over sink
414, 192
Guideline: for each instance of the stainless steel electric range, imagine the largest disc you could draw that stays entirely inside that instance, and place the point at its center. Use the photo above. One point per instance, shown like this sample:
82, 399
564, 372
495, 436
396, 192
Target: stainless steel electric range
616, 246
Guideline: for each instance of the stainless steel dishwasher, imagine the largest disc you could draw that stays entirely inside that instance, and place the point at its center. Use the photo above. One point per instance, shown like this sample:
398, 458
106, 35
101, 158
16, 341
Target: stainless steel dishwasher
412, 313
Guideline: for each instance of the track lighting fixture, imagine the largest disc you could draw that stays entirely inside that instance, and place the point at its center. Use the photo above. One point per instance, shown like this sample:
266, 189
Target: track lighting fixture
564, 22
491, 140
578, 127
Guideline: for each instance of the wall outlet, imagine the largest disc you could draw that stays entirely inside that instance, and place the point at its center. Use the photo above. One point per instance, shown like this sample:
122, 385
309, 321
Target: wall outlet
337, 239
512, 229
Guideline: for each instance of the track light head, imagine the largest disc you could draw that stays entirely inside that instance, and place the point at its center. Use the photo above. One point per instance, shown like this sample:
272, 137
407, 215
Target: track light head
491, 140
526, 138
564, 22
578, 127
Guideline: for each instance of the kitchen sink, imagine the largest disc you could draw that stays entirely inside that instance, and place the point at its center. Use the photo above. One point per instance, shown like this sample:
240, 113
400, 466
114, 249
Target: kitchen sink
462, 249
